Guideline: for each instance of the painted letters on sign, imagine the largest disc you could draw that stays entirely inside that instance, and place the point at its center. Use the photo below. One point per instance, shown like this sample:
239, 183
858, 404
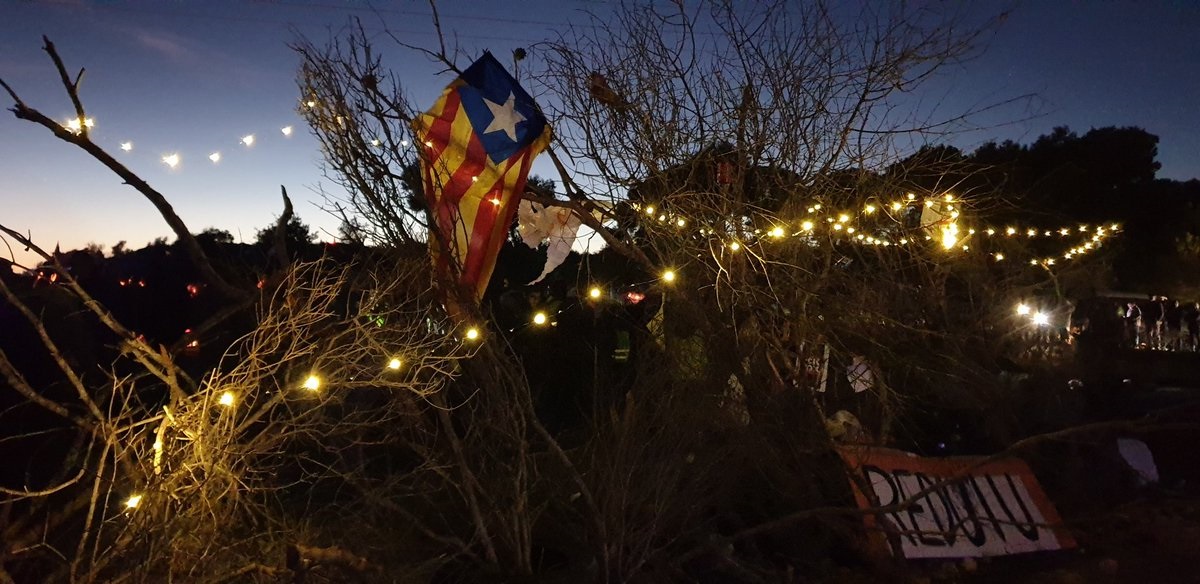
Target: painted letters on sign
954, 507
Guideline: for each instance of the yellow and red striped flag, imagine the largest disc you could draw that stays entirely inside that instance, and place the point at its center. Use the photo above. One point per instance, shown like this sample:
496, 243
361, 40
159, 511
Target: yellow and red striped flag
478, 141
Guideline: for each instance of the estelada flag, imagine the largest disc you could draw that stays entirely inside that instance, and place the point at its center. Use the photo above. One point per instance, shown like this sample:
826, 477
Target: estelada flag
478, 142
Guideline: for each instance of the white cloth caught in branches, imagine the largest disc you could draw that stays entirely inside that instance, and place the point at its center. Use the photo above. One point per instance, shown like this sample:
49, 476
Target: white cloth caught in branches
537, 223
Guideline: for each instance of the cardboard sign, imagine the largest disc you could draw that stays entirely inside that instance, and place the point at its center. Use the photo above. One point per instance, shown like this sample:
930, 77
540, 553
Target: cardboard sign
953, 507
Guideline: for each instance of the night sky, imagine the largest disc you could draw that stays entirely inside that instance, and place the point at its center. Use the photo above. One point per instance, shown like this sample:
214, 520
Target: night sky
195, 77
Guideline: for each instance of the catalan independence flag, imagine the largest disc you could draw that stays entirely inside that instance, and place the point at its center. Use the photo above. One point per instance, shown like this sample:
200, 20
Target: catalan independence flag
479, 140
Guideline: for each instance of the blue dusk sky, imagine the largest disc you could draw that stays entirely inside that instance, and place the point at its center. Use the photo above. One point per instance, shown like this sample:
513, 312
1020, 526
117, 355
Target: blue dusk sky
194, 77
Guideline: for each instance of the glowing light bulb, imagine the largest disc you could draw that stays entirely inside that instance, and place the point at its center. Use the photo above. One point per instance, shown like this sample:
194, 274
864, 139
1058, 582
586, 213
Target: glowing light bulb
668, 276
215, 157
990, 232
495, 201
776, 232
171, 160
928, 203
287, 130
313, 383
807, 226
76, 125
843, 218
428, 144
375, 142
1010, 231
1023, 309
1040, 319
594, 292
310, 103
851, 230
999, 257
472, 334
127, 146
896, 206
133, 501
949, 198
650, 210
226, 399
539, 318
910, 196
394, 364
735, 246
248, 139
681, 222
837, 226
869, 209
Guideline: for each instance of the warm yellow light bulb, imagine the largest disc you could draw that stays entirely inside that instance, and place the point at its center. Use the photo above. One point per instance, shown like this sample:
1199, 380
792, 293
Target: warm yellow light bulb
843, 218
472, 334
837, 226
999, 257
681, 222
313, 383
896, 206
133, 501
668, 276
594, 292
776, 232
539, 318
394, 364
869, 209
1011, 231
735, 246
910, 196
226, 399
807, 225
1023, 309
650, 210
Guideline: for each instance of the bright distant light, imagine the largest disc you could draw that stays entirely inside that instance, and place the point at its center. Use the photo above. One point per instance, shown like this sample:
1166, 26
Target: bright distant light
133, 501
735, 246
472, 334
248, 139
75, 125
394, 364
1023, 309
1040, 319
843, 218
869, 209
668, 276
807, 226
896, 206
949, 235
776, 232
287, 130
215, 157
171, 160
999, 257
594, 292
310, 103
127, 146
226, 399
375, 142
313, 383
681, 222
539, 318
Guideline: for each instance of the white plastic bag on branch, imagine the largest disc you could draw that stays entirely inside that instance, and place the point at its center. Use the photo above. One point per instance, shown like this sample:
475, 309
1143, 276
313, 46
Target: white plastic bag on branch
537, 223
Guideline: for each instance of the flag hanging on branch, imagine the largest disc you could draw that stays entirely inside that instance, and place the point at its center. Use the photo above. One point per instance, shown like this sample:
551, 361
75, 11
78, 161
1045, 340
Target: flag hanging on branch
478, 142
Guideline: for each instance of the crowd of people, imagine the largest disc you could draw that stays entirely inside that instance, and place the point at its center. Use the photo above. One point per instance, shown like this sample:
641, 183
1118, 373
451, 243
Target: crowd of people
1162, 324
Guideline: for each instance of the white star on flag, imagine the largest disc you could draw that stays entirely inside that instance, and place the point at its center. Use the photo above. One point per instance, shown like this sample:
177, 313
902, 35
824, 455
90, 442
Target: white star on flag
504, 117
